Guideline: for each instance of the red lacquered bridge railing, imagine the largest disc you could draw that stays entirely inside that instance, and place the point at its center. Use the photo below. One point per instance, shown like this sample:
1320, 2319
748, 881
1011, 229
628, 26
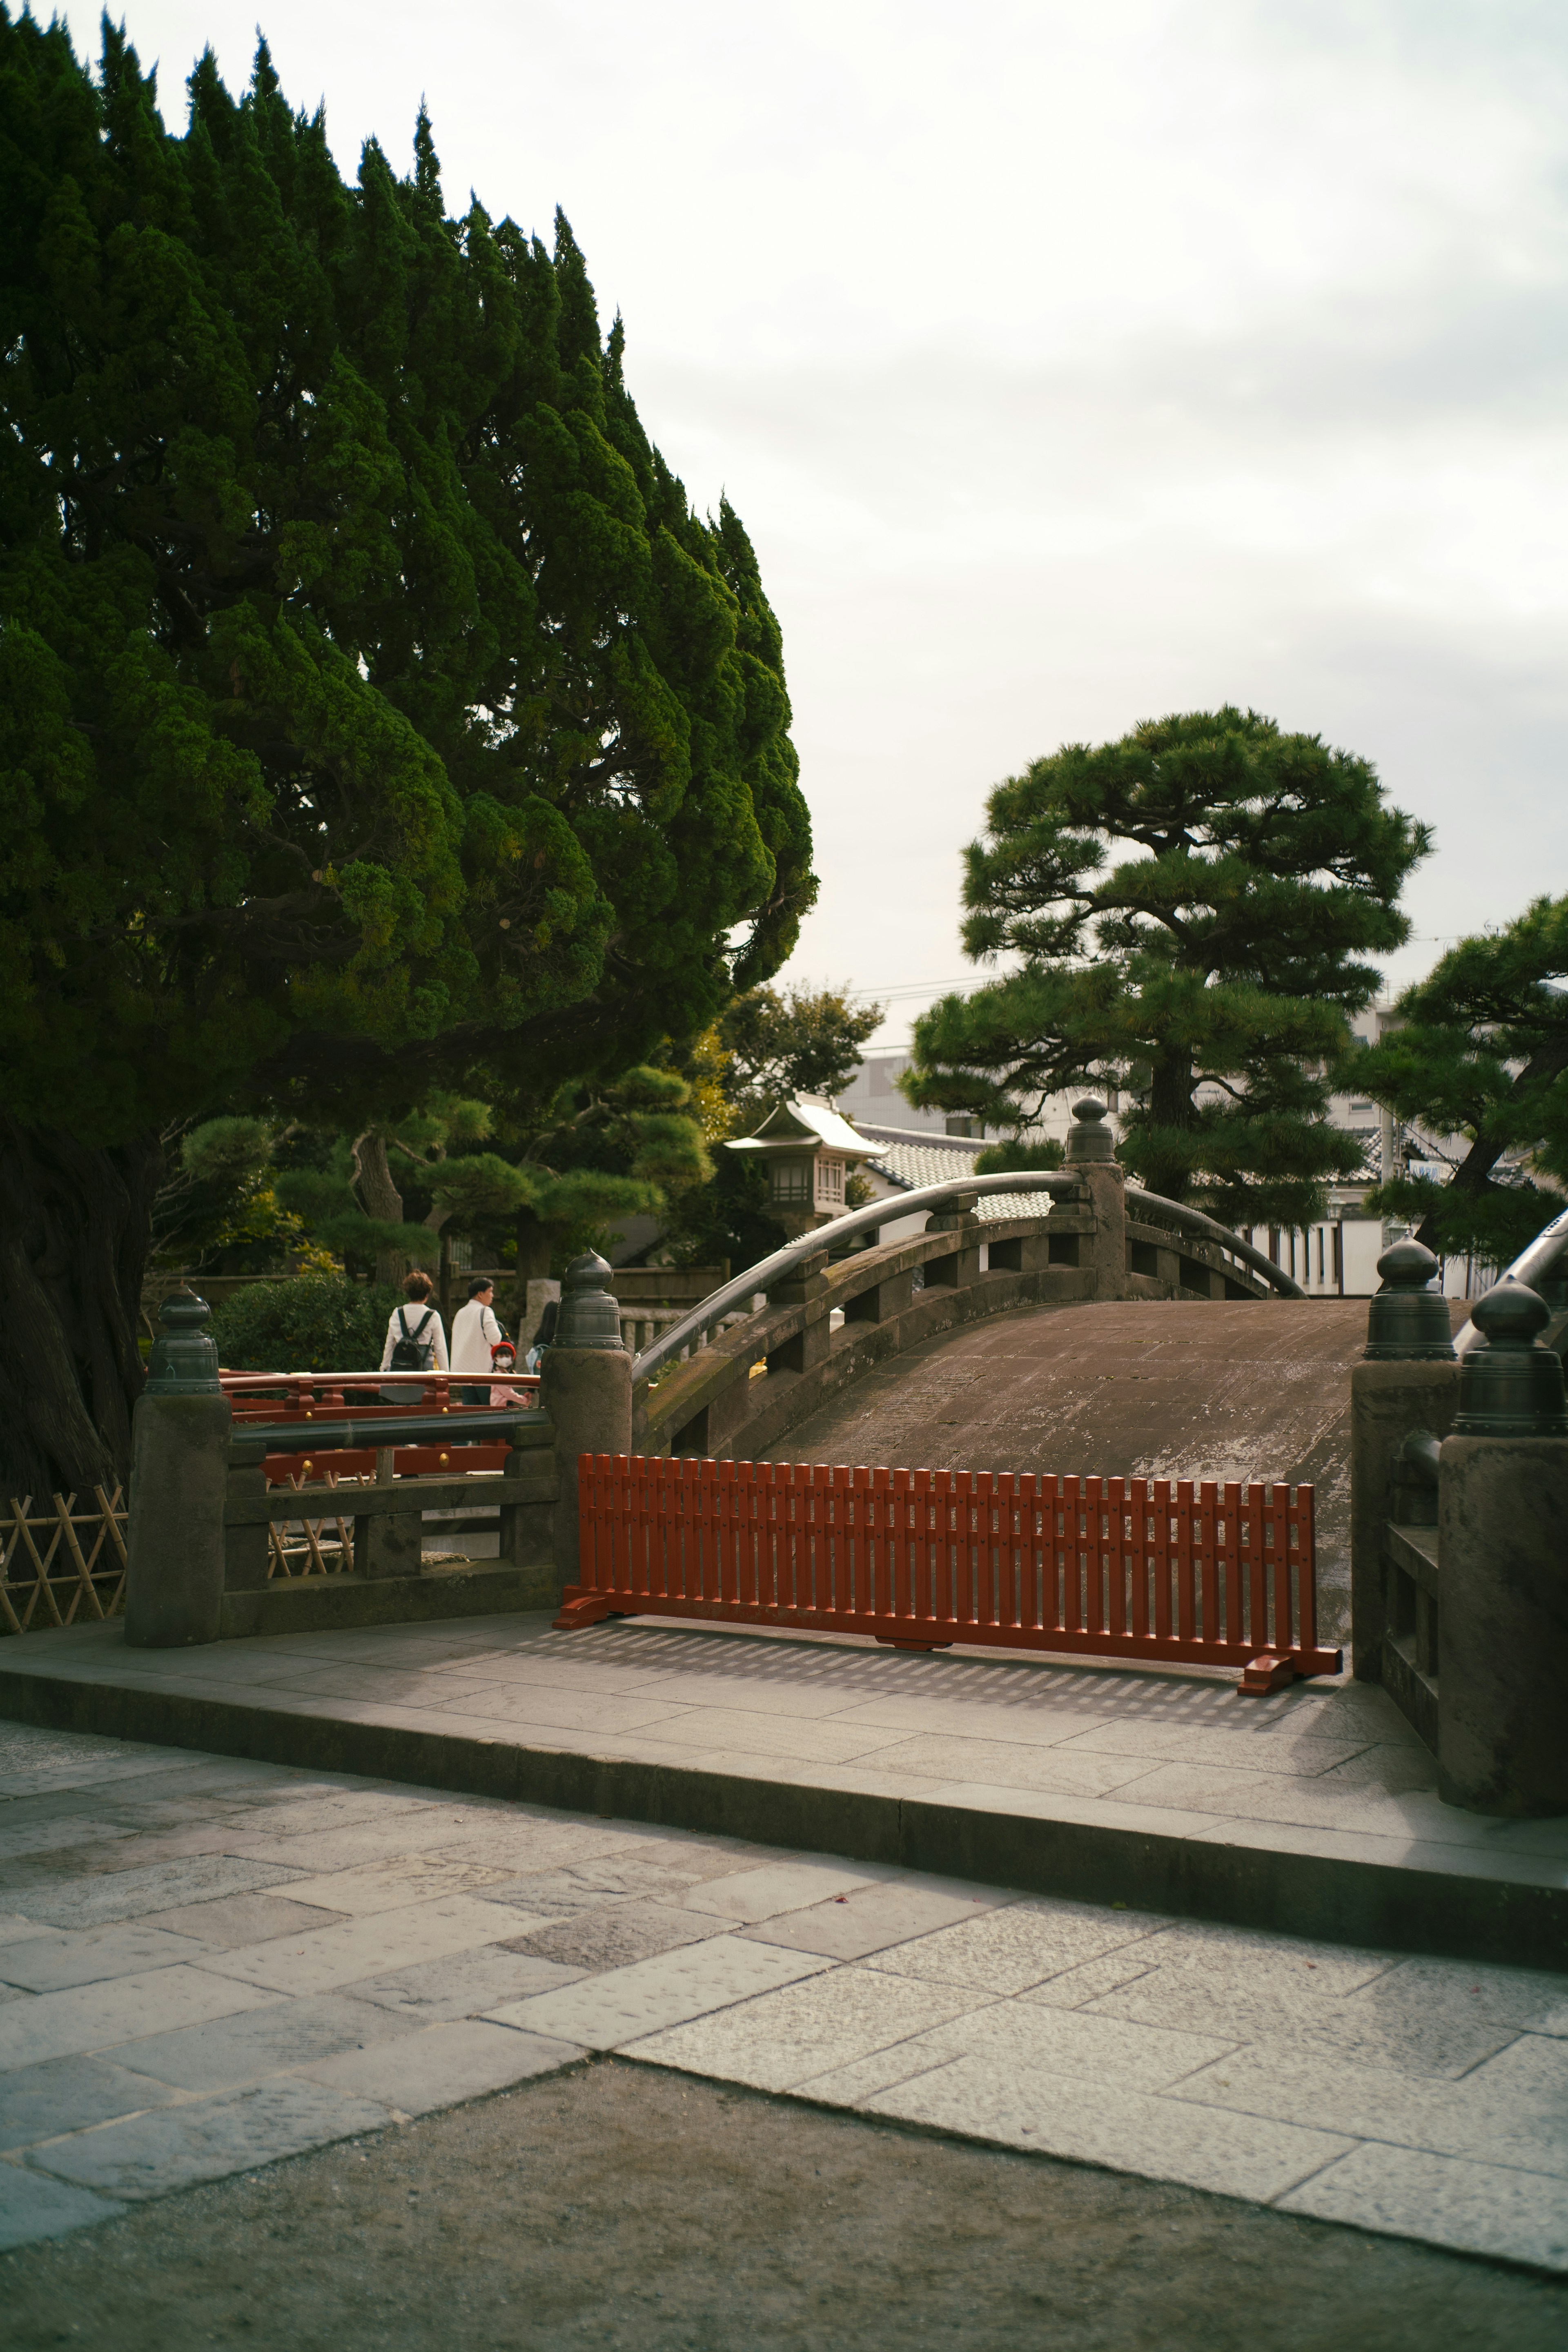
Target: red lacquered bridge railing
1158, 1569
314, 1400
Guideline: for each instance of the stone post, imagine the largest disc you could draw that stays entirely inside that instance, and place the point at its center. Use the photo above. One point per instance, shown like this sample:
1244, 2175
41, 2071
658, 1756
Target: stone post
1502, 1558
808, 1348
245, 1546
388, 1543
179, 1478
1407, 1379
957, 1272
1092, 1155
586, 1384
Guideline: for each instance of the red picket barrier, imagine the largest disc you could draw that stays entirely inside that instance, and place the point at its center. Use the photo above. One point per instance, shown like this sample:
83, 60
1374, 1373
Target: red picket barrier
1150, 1569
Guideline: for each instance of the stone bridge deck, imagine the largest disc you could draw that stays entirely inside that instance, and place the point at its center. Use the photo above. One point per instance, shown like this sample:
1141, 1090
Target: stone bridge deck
1139, 1387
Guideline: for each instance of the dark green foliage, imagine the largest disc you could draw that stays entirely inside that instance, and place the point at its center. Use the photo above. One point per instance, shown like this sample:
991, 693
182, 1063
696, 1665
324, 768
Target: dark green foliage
1190, 907
310, 1323
374, 709
728, 1220
371, 699
794, 1040
1485, 1058
1007, 1159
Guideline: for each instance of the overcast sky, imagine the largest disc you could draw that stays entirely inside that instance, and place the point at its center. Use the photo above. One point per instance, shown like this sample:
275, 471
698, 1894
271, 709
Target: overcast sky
1068, 365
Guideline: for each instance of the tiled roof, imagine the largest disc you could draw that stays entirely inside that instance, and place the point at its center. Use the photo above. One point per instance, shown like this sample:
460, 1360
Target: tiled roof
802, 1116
939, 1160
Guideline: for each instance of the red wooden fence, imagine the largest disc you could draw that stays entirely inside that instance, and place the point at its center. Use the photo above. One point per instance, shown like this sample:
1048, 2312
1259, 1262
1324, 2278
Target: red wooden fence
1112, 1567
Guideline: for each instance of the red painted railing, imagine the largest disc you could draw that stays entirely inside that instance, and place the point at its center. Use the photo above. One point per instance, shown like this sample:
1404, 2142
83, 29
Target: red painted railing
1159, 1569
318, 1399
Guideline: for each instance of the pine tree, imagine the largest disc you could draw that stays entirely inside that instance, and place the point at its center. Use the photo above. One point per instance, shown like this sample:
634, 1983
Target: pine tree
1188, 908
374, 709
1483, 1056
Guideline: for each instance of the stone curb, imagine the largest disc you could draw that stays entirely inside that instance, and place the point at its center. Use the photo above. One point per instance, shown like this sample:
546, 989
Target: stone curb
1339, 1899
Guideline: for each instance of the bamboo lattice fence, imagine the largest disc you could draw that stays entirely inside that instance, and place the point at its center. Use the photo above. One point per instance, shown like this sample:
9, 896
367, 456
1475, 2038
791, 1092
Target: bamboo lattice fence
62, 1564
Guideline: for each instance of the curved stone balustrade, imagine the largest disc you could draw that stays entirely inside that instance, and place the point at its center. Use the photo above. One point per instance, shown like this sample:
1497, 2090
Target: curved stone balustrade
827, 1320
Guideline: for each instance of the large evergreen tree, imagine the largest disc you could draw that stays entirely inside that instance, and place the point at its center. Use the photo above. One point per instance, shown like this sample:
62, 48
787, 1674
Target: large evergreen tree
373, 708
1483, 1057
1189, 910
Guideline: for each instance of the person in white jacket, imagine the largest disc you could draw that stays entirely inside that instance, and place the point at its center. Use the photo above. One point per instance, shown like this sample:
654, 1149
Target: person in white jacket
475, 1331
417, 1321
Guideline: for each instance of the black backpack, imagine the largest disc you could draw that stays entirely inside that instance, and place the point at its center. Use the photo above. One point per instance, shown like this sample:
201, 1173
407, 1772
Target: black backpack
413, 1353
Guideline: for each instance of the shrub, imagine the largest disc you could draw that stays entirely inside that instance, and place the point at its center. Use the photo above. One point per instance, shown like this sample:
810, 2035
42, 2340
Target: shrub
306, 1323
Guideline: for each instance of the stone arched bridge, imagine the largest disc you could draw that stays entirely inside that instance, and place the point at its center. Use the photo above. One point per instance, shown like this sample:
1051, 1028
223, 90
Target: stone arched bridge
1110, 1336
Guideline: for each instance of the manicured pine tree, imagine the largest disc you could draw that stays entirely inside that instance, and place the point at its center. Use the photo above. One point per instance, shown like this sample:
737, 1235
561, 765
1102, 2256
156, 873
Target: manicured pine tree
1483, 1057
1187, 912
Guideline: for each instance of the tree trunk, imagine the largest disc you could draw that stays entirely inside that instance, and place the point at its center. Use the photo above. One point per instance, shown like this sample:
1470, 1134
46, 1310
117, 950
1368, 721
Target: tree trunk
379, 1197
1473, 1173
1170, 1106
532, 1265
75, 1230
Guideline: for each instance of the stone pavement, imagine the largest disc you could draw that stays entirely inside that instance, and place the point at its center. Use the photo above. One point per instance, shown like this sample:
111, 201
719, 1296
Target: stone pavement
1313, 1812
208, 1964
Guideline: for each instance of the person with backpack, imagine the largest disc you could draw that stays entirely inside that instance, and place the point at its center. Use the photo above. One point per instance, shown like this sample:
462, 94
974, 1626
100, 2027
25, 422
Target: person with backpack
415, 1342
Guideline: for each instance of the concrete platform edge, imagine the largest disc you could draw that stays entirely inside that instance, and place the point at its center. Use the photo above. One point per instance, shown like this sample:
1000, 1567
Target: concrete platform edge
1331, 1899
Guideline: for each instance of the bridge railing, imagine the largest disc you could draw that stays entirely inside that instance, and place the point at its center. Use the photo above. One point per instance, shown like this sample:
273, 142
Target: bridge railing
724, 1380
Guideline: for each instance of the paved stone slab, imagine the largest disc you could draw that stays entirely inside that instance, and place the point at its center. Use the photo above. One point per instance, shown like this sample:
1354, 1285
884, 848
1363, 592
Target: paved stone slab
98, 2017
462, 1984
444, 2066
613, 1879
763, 1894
131, 1894
14, 1928
234, 1920
72, 1759
56, 1836
47, 1963
391, 1885
617, 1935
1005, 1951
1483, 2208
370, 1946
1250, 2062
1225, 1984
1076, 2043
177, 2147
1508, 2112
1091, 2122
32, 2207
625, 2004
868, 1919
65, 2094
230, 2051
781, 2040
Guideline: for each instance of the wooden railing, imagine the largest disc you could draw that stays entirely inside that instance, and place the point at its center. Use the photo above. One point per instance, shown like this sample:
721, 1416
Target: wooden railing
1159, 1569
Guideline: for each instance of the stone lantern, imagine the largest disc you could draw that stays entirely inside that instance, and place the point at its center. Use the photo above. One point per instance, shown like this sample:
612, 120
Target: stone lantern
809, 1151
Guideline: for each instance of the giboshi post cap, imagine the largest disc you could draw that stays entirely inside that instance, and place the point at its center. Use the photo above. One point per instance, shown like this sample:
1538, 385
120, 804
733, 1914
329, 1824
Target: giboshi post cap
1511, 1313
1089, 1109
1408, 1266
589, 1316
